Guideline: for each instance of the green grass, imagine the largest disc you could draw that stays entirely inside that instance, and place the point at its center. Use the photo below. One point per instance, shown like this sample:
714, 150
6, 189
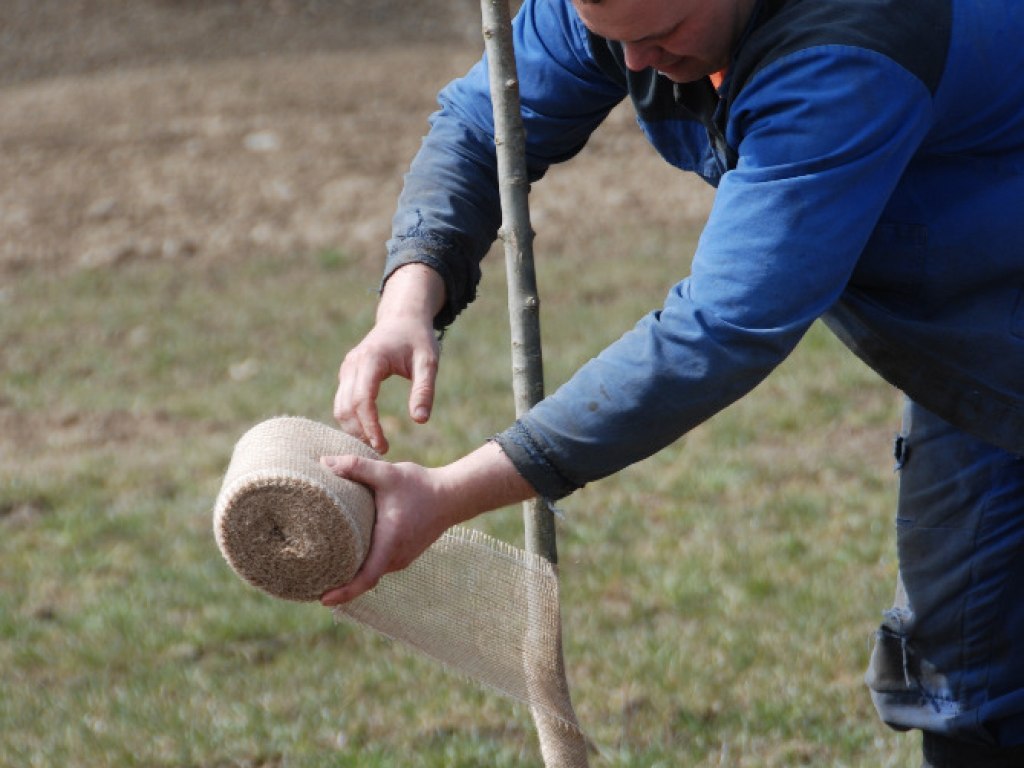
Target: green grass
718, 598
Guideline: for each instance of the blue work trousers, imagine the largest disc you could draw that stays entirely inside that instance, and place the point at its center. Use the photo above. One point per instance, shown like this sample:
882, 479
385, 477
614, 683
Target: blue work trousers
949, 655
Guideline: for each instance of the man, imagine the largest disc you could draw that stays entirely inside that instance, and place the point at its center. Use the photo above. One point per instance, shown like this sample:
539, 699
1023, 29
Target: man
869, 161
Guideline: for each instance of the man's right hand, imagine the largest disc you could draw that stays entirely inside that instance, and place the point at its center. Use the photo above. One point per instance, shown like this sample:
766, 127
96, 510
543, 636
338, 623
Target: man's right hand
401, 343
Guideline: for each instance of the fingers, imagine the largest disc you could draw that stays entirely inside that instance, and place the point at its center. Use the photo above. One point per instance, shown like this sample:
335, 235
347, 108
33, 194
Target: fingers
369, 473
362, 582
355, 402
421, 395
377, 564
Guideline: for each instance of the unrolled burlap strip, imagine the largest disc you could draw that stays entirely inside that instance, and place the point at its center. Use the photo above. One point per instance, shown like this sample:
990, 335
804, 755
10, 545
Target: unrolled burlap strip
478, 606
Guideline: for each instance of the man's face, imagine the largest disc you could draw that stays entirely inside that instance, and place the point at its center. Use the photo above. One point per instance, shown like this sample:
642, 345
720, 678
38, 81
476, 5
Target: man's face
683, 39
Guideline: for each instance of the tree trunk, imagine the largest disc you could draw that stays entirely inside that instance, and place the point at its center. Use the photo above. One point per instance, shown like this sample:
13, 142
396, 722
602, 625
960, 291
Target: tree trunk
561, 746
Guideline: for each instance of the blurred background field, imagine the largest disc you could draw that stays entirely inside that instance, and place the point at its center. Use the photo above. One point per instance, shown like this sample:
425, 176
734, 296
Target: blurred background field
194, 203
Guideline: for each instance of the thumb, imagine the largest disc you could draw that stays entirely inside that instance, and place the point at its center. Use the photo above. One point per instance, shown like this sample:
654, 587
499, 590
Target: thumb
421, 394
368, 472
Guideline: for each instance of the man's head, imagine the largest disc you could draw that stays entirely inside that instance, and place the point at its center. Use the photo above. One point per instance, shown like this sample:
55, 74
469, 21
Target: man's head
683, 39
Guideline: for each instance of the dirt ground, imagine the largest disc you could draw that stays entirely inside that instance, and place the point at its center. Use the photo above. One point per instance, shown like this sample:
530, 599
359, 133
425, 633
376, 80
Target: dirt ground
211, 129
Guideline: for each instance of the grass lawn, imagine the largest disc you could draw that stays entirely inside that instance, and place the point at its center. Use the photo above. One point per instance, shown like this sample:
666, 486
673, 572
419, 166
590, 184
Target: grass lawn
719, 598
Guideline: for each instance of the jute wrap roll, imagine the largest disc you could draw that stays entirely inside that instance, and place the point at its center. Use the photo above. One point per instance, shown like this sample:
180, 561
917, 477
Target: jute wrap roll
474, 604
284, 522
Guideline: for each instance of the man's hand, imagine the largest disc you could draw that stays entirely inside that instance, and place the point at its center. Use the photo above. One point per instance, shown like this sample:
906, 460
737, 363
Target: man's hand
395, 346
415, 505
411, 515
401, 343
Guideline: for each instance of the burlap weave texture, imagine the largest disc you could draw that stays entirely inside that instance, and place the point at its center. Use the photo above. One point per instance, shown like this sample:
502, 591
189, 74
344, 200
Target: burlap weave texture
284, 522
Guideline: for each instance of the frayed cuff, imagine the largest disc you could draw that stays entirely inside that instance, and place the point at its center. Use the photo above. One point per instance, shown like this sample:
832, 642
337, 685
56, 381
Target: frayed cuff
532, 462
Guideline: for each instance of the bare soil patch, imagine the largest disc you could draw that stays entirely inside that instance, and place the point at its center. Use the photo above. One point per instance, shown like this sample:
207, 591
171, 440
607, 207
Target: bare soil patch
213, 129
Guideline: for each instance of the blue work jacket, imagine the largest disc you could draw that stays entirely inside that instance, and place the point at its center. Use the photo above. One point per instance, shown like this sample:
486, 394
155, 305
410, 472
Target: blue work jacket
869, 163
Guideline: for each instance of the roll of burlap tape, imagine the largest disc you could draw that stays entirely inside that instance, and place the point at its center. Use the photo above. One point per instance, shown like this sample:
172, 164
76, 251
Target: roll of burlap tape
292, 528
284, 522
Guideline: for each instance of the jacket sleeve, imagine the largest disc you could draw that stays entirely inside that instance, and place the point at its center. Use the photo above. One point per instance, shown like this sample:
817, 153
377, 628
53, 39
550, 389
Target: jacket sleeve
823, 137
449, 211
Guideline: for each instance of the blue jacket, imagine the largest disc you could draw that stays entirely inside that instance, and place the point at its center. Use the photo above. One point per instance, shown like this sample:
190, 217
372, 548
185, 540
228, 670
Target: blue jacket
869, 162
